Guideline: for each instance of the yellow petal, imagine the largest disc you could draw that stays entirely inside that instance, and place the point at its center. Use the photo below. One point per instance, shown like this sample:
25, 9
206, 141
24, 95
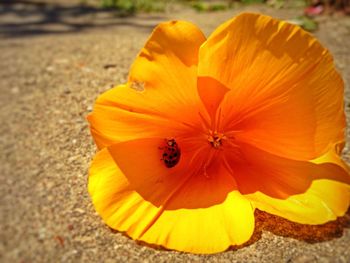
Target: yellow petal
161, 89
324, 200
205, 230
165, 206
286, 96
115, 201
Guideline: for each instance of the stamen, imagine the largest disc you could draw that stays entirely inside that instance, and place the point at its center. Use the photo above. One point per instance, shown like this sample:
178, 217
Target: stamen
211, 156
196, 154
219, 119
206, 124
215, 139
192, 127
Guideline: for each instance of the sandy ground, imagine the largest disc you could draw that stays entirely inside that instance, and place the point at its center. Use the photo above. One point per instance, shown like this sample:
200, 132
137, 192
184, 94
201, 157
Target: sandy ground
53, 66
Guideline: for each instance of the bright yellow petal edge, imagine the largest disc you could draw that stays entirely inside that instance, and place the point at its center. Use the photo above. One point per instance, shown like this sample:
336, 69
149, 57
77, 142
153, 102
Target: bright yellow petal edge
324, 201
204, 230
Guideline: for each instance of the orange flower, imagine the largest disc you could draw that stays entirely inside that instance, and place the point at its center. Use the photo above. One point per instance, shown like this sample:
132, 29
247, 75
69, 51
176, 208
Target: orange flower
207, 130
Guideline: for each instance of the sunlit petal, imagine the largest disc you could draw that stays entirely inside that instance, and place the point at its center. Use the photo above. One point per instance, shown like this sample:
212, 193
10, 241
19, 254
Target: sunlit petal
286, 97
161, 206
161, 88
258, 171
324, 201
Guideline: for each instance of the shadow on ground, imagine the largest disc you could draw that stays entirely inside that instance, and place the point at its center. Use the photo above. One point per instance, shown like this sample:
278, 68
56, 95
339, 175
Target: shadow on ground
31, 18
308, 233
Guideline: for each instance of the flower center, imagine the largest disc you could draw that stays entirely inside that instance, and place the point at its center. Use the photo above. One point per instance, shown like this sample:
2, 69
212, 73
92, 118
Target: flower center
215, 139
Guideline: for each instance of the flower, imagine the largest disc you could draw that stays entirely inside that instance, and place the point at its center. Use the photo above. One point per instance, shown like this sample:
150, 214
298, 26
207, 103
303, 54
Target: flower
206, 130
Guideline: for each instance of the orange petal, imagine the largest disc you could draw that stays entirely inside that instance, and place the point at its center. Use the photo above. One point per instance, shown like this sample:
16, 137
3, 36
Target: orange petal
161, 89
168, 207
123, 113
286, 96
155, 182
207, 215
141, 163
167, 68
211, 93
277, 177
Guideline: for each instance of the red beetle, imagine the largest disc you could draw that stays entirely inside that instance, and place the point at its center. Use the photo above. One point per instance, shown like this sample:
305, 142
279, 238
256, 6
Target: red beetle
171, 153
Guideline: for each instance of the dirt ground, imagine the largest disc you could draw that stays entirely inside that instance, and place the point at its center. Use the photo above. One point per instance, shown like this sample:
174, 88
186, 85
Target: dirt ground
54, 62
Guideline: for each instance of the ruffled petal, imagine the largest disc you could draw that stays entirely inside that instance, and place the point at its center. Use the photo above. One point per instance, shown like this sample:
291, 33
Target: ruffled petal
305, 192
259, 171
207, 230
323, 201
166, 206
114, 199
286, 96
122, 114
161, 89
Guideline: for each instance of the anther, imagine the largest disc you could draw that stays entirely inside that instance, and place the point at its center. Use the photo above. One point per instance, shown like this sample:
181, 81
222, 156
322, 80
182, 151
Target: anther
215, 139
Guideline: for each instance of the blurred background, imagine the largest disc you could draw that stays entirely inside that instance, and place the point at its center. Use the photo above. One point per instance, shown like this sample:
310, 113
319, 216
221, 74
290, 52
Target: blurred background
56, 57
20, 17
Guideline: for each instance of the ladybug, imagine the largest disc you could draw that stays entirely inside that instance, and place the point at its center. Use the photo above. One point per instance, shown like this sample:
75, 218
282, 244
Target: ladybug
171, 153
